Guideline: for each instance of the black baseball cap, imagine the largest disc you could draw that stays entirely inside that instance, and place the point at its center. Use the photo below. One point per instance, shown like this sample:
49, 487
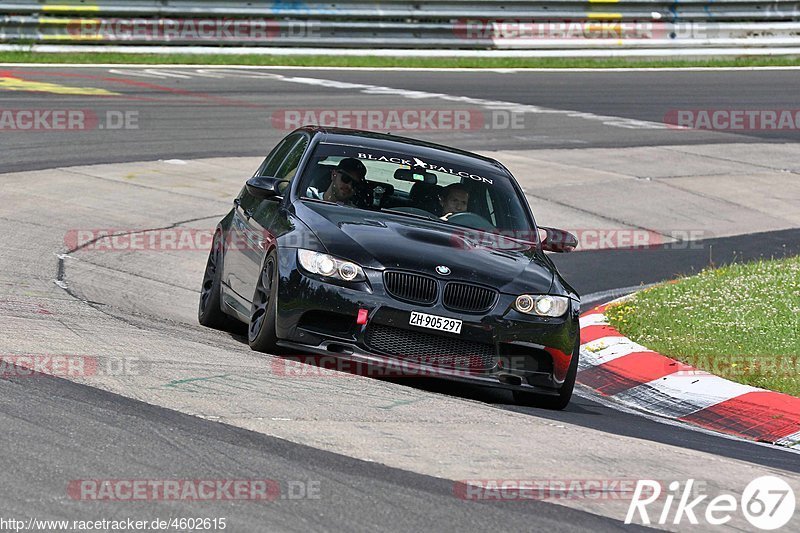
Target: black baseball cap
352, 166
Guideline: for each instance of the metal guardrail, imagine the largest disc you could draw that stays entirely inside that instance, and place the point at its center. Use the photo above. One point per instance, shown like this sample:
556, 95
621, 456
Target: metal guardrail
688, 10
400, 24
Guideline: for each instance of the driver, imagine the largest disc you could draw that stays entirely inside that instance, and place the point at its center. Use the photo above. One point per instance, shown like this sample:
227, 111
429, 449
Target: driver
454, 199
348, 175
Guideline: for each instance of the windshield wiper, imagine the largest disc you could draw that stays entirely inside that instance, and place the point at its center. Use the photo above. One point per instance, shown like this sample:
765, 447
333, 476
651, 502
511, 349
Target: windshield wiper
415, 215
317, 200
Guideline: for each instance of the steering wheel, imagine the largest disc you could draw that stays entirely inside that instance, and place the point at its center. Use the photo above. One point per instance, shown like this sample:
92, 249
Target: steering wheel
362, 195
470, 220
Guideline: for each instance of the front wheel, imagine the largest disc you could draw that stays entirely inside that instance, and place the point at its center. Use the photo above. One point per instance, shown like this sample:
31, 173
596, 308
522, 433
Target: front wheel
261, 334
557, 403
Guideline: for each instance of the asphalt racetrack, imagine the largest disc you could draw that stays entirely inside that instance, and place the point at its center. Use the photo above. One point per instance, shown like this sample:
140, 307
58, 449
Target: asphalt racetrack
171, 147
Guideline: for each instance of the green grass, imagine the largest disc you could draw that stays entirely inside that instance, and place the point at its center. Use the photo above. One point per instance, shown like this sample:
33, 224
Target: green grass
741, 322
368, 61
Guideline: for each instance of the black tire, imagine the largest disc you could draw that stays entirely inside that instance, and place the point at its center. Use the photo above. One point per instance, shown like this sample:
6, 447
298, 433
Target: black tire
261, 330
209, 311
556, 403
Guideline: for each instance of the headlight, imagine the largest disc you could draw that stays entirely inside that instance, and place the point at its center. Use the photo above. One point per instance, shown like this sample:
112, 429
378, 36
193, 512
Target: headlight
330, 267
542, 305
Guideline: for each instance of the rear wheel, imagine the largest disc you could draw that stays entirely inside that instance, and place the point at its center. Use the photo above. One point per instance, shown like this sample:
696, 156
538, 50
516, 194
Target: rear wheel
209, 311
564, 394
261, 331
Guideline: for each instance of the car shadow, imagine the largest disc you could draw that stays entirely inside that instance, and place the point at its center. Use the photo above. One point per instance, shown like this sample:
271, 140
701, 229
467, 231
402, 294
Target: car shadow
497, 397
480, 393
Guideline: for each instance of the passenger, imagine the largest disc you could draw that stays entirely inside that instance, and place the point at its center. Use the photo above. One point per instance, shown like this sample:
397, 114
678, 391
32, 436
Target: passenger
454, 199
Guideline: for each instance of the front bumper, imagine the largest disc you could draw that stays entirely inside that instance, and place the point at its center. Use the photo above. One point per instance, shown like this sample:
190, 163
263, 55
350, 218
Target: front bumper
519, 352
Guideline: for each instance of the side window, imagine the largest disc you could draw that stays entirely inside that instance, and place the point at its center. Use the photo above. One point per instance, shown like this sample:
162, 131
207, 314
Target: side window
278, 155
285, 171
269, 168
288, 169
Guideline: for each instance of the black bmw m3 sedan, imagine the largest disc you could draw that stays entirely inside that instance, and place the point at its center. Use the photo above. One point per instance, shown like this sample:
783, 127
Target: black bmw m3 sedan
394, 252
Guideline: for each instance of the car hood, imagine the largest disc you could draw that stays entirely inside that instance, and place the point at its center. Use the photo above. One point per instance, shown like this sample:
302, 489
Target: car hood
384, 240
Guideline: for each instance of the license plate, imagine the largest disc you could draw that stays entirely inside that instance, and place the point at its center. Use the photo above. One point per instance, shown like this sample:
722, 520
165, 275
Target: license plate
450, 325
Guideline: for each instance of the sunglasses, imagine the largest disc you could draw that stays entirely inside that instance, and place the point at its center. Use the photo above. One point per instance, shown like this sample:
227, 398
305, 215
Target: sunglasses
347, 178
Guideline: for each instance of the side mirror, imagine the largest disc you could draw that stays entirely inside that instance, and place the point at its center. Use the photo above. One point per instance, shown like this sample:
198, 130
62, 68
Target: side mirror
266, 188
558, 240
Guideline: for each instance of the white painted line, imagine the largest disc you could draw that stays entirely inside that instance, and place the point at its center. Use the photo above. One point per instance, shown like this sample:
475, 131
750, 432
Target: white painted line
513, 107
519, 70
681, 394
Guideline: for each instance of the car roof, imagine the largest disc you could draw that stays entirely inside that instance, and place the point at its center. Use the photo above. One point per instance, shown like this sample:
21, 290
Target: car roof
396, 143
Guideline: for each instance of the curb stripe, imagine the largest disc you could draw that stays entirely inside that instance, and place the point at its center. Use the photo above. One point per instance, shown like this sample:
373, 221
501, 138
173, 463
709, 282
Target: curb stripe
600, 310
593, 319
592, 333
792, 441
605, 349
617, 367
679, 394
626, 372
761, 415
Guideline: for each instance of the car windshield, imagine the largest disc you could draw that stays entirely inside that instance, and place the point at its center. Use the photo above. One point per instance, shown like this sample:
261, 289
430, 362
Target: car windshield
404, 184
